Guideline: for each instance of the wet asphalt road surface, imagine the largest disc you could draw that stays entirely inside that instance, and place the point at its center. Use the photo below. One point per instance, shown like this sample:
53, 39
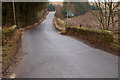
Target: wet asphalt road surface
51, 55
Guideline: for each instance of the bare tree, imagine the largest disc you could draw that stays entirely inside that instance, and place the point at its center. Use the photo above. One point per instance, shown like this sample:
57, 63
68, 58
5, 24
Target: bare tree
107, 10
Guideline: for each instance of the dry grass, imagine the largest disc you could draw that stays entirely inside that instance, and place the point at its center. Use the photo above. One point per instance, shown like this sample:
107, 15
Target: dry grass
10, 49
89, 20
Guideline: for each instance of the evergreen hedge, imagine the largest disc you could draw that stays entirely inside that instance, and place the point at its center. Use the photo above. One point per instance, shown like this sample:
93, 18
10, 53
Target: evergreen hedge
101, 36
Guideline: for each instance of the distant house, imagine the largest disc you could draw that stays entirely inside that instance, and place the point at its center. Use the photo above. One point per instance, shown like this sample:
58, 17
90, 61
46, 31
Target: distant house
70, 13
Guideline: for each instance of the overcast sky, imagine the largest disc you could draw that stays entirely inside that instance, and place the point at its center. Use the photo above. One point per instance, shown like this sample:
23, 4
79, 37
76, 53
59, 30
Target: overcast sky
56, 0
53, 0
82, 0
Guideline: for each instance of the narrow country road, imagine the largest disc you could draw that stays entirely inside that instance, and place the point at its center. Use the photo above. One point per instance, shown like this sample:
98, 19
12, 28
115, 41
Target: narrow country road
51, 55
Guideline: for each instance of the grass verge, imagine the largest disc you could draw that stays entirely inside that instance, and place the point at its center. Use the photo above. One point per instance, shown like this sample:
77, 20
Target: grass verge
10, 50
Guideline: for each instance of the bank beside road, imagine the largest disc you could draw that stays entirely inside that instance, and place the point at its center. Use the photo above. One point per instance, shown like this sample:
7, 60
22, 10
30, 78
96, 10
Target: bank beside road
102, 39
11, 49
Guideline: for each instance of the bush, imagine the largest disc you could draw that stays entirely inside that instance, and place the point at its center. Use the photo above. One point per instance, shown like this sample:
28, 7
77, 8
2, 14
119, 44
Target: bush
7, 33
101, 36
9, 29
60, 22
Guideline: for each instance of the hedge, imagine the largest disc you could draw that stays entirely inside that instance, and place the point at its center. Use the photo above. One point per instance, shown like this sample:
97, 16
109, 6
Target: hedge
7, 33
60, 22
101, 36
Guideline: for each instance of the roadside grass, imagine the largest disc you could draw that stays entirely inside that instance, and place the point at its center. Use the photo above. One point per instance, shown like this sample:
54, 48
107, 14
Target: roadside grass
9, 52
